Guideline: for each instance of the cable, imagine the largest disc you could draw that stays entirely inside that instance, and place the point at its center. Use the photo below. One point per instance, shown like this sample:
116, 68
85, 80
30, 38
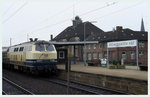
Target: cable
90, 12
12, 4
120, 10
50, 25
70, 19
58, 13
98, 8
82, 14
14, 13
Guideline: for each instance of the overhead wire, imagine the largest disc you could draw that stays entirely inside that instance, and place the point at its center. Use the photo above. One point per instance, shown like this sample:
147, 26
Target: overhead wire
126, 8
63, 21
60, 22
98, 8
14, 13
51, 16
70, 18
7, 10
90, 12
58, 13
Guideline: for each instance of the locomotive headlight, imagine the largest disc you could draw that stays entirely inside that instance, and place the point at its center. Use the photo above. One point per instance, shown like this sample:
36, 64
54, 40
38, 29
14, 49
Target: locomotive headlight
39, 60
53, 60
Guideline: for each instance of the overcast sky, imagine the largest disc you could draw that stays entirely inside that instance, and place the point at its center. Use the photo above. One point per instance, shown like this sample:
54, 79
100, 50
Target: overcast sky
41, 18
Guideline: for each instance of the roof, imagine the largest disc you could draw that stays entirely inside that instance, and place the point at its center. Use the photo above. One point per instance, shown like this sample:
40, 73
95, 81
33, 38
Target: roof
33, 42
77, 34
4, 49
124, 34
73, 43
94, 33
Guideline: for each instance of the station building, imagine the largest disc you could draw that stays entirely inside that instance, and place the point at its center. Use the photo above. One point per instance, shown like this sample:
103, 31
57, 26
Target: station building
99, 50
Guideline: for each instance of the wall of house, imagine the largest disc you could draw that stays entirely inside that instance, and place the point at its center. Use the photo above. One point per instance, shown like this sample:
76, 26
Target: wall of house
100, 50
79, 53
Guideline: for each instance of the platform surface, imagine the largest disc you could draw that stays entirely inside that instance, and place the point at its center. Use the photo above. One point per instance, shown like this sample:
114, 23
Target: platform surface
129, 72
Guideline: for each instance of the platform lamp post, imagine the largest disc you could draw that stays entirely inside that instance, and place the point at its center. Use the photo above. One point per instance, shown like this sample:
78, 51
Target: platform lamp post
85, 56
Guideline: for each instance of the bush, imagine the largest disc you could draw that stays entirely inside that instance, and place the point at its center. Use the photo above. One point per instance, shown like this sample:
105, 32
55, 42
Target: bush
114, 62
133, 63
119, 62
112, 66
120, 66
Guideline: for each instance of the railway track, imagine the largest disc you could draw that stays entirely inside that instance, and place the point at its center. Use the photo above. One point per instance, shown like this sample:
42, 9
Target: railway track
73, 86
19, 88
4, 93
86, 88
105, 90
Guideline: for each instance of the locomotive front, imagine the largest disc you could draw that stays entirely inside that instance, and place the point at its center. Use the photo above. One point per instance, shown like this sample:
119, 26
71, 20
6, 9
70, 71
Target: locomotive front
42, 58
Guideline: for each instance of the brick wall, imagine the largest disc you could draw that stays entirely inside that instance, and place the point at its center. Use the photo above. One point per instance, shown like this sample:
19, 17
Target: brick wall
116, 53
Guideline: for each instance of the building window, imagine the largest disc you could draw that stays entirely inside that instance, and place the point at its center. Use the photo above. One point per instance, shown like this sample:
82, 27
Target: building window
61, 55
132, 54
100, 56
123, 55
141, 44
89, 46
94, 55
105, 45
89, 56
105, 55
94, 46
141, 54
100, 45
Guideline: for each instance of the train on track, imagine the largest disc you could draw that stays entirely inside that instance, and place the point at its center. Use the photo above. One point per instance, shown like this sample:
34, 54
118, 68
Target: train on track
33, 56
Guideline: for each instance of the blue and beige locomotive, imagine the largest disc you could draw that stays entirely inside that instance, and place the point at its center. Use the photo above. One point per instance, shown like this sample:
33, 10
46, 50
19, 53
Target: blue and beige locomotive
33, 56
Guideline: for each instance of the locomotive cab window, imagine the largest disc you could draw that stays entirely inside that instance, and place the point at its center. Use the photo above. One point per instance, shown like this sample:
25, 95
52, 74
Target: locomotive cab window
21, 48
39, 47
16, 49
49, 48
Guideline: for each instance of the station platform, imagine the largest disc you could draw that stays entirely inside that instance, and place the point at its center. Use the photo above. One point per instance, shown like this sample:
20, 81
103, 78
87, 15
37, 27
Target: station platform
129, 72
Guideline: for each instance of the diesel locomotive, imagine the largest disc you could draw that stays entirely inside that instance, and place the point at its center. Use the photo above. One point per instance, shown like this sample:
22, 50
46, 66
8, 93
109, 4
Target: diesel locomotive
33, 56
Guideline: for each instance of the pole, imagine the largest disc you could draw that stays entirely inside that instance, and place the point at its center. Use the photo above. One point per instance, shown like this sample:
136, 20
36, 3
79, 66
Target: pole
137, 59
68, 73
10, 41
69, 68
74, 54
27, 37
107, 57
73, 10
84, 46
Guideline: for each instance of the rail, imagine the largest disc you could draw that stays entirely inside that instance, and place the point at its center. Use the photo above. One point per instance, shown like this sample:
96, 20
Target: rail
17, 86
4, 93
70, 86
83, 87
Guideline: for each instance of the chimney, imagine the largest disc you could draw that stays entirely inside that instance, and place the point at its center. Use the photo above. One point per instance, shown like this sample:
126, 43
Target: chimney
118, 28
76, 21
51, 37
